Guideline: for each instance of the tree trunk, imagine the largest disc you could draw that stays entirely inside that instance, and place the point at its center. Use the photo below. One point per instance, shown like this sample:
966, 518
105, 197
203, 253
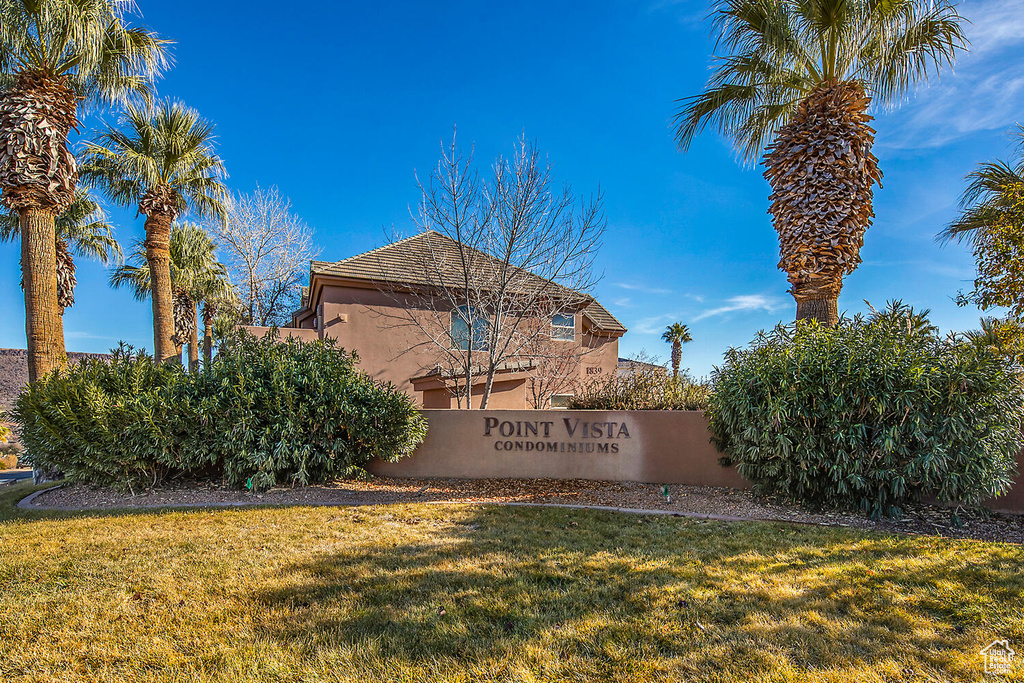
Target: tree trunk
193, 346
824, 310
158, 256
822, 173
207, 336
677, 358
488, 385
44, 325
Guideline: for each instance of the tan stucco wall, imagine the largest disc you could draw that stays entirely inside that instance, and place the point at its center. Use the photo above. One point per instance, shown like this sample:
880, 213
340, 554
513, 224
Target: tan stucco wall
389, 349
664, 447
510, 395
375, 325
670, 447
601, 359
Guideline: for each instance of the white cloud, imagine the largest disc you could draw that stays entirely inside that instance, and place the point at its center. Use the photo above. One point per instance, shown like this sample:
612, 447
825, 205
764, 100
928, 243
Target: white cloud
984, 92
642, 288
687, 12
88, 335
950, 270
624, 302
654, 324
743, 303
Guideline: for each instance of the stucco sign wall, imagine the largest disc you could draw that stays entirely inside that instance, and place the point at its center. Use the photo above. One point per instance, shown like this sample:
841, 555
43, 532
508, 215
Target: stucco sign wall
651, 446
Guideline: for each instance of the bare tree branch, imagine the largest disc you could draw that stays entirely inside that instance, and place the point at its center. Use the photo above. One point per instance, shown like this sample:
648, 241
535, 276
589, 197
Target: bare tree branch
267, 250
501, 258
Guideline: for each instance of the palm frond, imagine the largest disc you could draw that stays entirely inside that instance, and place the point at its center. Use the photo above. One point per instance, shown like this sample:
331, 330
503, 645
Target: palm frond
781, 50
83, 225
167, 146
195, 270
86, 41
993, 189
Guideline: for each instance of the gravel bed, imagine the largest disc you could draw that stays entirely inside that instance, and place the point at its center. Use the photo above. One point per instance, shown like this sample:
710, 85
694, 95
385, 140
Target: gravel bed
695, 500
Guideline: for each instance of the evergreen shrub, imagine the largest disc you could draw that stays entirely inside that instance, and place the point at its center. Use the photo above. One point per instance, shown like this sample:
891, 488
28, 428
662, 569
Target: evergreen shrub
875, 413
99, 422
265, 412
291, 412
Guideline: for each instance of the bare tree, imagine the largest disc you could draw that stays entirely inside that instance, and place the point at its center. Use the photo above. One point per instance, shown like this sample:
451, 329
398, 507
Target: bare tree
554, 369
496, 263
267, 250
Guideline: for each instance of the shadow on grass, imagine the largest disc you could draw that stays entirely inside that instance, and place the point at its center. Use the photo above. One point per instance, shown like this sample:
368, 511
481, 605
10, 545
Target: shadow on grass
565, 591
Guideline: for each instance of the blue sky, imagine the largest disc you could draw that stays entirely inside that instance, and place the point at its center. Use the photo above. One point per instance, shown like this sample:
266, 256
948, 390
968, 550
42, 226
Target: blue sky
339, 103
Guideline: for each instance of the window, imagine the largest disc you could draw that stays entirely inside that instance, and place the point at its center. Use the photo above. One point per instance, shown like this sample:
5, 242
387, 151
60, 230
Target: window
560, 401
464, 318
563, 327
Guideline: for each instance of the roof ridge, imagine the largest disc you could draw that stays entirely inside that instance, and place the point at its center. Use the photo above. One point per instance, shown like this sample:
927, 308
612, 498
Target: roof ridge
383, 247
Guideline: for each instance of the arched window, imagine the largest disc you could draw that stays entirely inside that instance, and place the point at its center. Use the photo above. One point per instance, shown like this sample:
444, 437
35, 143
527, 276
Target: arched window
465, 318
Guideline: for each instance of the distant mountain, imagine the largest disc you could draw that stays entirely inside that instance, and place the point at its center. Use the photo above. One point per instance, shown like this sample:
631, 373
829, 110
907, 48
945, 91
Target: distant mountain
14, 372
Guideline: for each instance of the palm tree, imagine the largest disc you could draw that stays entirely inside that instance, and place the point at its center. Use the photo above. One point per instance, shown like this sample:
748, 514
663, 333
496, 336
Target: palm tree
993, 189
213, 290
1003, 336
81, 230
802, 75
677, 334
196, 277
220, 299
165, 164
992, 220
57, 55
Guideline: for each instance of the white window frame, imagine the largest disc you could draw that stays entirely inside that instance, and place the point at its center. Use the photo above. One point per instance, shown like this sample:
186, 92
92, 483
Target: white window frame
571, 334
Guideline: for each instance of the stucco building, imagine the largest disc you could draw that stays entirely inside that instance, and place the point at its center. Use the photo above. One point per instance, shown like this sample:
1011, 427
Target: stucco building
381, 304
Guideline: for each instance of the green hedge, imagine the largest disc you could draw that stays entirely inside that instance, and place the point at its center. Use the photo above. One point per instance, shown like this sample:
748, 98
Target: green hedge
98, 422
874, 413
289, 411
265, 412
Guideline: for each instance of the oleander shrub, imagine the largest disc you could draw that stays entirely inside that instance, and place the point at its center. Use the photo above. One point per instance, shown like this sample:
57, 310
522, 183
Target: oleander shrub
283, 411
100, 422
643, 388
875, 413
265, 412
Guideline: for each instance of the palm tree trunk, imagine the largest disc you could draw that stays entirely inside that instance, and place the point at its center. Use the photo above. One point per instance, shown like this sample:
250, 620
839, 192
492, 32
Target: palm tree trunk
207, 335
193, 346
677, 358
822, 173
158, 256
44, 325
823, 309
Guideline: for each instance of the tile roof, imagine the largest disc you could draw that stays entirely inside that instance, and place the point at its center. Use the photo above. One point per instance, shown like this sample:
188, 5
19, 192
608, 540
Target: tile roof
404, 261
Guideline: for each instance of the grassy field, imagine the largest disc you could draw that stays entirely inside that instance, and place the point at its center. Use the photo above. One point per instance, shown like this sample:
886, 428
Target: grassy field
463, 593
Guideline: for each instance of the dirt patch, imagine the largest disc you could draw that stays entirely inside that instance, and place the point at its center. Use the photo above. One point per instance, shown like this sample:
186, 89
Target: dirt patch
697, 500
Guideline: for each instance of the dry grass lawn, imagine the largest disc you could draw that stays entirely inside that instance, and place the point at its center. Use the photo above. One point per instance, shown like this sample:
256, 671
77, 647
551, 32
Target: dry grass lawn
476, 593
